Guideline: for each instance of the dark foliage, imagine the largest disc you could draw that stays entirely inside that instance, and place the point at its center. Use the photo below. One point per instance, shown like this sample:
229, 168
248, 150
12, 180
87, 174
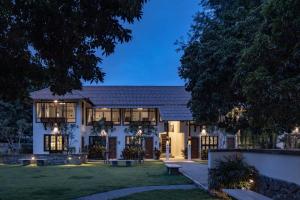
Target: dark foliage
233, 172
54, 43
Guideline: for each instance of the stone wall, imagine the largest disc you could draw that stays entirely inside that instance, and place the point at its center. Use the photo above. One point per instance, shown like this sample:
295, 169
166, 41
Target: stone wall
277, 189
52, 159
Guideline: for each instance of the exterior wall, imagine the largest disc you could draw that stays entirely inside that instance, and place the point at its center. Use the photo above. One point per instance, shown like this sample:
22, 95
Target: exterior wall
120, 134
39, 132
179, 137
270, 163
279, 175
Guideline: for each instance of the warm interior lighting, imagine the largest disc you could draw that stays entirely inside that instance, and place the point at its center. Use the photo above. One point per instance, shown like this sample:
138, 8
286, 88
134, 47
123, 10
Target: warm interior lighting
32, 158
203, 131
140, 108
251, 181
55, 101
55, 130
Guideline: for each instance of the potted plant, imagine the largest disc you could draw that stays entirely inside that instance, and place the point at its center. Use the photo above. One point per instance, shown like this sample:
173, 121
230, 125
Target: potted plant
157, 154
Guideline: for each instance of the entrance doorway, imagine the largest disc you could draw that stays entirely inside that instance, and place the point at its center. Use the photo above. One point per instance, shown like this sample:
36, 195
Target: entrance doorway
149, 147
112, 146
195, 147
208, 142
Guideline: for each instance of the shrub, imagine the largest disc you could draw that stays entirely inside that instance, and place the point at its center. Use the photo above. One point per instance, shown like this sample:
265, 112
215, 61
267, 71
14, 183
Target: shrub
96, 152
233, 172
157, 154
133, 153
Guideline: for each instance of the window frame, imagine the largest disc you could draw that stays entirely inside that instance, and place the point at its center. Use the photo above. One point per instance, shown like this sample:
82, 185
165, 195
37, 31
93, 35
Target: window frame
64, 143
65, 110
115, 123
154, 123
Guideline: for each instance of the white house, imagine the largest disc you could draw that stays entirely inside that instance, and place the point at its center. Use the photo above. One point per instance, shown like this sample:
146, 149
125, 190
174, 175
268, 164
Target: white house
164, 107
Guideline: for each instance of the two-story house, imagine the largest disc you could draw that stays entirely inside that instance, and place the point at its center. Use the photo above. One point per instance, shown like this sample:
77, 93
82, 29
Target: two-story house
164, 107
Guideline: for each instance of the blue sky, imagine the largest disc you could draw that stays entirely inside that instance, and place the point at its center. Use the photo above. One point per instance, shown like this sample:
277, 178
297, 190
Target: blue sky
150, 58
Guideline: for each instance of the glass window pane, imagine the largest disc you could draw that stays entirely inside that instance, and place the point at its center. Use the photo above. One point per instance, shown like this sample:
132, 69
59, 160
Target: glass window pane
107, 115
98, 114
53, 143
89, 116
135, 115
152, 115
116, 116
127, 116
46, 143
59, 146
144, 115
71, 112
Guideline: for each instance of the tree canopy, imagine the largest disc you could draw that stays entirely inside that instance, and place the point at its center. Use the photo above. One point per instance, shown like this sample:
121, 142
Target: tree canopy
54, 43
245, 54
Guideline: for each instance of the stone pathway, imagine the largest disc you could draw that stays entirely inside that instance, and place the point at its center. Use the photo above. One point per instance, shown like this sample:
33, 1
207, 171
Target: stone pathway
197, 172
128, 191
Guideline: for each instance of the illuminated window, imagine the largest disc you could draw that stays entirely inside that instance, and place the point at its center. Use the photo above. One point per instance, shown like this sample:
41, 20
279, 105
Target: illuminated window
55, 143
140, 115
105, 114
46, 110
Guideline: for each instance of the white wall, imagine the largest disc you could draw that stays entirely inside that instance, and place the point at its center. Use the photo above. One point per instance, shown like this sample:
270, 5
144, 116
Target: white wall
275, 165
39, 132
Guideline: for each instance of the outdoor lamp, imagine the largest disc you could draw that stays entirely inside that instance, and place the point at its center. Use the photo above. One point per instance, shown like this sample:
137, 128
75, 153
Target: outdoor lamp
189, 140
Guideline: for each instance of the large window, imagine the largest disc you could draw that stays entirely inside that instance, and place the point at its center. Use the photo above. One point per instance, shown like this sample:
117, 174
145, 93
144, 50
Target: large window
55, 143
105, 114
56, 110
140, 115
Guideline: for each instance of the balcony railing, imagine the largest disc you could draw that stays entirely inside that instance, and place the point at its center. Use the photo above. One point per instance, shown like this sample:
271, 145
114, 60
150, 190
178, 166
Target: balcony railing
53, 119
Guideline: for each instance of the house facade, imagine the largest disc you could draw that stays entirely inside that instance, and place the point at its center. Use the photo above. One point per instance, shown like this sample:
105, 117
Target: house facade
161, 107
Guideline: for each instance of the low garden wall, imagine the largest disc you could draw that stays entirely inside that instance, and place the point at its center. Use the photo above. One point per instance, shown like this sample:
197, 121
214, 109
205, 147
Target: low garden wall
279, 170
52, 159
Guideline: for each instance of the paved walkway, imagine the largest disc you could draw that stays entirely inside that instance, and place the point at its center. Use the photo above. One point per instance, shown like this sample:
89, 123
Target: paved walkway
245, 194
195, 171
128, 191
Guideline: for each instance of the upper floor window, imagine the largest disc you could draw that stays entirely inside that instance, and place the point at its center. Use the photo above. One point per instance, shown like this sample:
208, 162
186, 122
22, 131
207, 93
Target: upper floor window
140, 115
105, 114
56, 110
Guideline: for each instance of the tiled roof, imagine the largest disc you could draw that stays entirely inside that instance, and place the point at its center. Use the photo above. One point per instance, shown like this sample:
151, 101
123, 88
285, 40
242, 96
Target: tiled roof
171, 100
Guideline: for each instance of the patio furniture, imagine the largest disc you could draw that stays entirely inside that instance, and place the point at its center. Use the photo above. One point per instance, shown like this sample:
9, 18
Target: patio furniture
41, 162
173, 169
126, 163
25, 162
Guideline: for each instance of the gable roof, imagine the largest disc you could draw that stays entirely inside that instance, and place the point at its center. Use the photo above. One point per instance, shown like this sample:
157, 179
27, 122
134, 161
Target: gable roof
170, 100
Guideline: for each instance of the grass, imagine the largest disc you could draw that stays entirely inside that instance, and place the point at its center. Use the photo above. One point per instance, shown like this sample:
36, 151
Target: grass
71, 181
195, 194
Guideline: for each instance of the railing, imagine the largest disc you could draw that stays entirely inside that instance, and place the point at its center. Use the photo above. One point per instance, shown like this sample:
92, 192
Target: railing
53, 119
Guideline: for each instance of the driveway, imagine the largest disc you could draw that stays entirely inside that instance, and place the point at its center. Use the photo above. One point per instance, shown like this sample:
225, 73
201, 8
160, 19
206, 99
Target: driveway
195, 171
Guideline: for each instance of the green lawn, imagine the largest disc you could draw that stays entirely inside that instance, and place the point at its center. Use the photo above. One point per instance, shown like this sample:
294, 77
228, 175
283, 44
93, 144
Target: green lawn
70, 181
195, 194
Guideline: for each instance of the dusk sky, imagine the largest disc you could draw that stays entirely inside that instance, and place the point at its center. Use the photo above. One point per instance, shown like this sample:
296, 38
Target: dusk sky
150, 58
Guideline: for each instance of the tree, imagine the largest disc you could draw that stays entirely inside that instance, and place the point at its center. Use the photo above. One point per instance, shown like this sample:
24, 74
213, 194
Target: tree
54, 43
245, 55
269, 70
15, 124
212, 53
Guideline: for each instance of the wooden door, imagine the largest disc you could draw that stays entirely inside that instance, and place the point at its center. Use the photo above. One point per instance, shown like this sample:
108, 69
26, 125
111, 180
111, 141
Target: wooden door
149, 147
195, 147
163, 142
112, 145
230, 143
